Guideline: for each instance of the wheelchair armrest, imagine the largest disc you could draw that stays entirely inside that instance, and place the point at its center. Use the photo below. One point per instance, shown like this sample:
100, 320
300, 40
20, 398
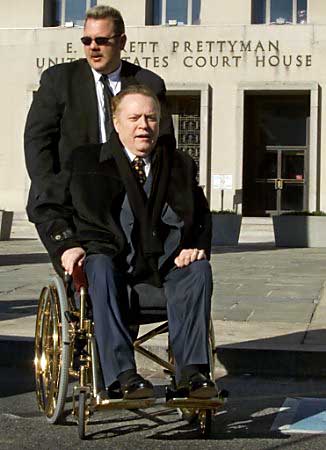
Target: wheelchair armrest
79, 278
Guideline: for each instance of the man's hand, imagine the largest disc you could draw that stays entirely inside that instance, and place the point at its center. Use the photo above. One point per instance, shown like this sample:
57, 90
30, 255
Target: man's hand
188, 256
72, 256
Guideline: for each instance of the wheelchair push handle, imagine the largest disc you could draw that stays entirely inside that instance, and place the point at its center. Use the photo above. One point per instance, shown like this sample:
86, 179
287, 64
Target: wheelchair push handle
79, 278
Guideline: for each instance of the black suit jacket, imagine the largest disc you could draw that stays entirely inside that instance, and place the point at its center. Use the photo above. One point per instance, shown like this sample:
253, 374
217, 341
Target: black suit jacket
99, 177
64, 115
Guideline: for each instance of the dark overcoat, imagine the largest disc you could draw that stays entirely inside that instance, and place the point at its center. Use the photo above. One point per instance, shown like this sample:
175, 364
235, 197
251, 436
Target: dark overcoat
87, 214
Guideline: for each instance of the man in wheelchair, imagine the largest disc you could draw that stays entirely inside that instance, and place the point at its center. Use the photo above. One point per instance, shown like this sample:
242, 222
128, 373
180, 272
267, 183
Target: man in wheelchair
134, 213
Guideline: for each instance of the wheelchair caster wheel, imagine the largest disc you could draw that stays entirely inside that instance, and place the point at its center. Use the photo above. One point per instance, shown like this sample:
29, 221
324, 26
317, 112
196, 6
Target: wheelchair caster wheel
188, 414
205, 422
82, 415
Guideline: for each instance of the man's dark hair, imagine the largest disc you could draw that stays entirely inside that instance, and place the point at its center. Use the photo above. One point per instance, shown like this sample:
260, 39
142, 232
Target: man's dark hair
107, 12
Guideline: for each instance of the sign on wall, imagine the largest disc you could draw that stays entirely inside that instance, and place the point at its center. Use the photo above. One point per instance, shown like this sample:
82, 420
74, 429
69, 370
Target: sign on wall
214, 53
222, 182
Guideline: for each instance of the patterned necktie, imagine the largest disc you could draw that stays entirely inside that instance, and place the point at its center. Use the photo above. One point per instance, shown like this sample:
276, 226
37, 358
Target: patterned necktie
138, 165
107, 94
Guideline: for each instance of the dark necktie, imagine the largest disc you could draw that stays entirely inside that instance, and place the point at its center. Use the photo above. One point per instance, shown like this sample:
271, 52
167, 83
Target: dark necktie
107, 93
138, 165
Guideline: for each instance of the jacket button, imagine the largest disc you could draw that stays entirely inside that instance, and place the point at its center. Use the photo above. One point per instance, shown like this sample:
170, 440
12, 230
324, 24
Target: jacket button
57, 237
154, 234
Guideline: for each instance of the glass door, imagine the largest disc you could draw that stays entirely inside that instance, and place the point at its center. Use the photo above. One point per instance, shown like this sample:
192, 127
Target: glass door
292, 185
281, 179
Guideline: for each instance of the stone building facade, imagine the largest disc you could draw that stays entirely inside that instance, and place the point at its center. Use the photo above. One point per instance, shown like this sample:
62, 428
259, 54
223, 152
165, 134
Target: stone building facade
246, 83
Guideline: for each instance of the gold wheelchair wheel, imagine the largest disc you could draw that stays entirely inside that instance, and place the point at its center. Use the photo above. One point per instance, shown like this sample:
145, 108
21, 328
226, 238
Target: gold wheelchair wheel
211, 350
205, 422
52, 350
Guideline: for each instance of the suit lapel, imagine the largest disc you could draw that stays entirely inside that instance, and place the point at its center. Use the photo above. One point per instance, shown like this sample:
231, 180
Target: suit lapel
88, 101
161, 169
126, 76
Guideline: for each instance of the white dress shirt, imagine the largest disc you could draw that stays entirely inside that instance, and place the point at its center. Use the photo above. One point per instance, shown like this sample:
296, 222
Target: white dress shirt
146, 160
115, 86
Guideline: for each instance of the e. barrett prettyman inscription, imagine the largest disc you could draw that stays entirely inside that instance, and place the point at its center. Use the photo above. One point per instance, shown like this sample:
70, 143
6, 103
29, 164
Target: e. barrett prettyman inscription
197, 54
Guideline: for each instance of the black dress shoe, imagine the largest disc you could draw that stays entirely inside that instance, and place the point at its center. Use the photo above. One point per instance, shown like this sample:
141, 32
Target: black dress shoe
137, 388
201, 387
102, 396
109, 394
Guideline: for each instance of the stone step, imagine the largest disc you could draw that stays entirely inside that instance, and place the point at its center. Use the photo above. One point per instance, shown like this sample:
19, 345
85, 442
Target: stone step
256, 229
257, 221
250, 224
23, 229
252, 228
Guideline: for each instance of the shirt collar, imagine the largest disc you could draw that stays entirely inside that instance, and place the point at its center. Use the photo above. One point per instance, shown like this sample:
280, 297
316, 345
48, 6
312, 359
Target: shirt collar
131, 156
113, 76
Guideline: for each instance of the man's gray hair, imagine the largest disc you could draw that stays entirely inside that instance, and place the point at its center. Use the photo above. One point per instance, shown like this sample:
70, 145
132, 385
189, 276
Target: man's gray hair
107, 12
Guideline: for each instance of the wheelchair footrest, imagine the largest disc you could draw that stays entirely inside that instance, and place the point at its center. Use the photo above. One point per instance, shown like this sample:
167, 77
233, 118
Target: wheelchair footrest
124, 404
195, 403
175, 399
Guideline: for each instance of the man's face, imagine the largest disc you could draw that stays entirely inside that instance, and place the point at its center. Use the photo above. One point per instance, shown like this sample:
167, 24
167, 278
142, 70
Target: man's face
137, 123
103, 58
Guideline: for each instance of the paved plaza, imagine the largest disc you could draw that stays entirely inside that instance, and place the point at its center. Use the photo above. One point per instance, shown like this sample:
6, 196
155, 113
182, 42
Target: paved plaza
268, 303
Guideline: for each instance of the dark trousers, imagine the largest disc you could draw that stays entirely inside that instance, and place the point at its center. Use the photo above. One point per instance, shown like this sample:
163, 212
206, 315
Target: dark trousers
188, 292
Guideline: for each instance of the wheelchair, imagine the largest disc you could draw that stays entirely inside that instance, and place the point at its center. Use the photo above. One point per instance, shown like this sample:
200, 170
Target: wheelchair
65, 350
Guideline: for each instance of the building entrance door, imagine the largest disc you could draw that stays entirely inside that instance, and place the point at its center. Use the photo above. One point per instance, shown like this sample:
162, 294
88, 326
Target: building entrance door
275, 154
282, 179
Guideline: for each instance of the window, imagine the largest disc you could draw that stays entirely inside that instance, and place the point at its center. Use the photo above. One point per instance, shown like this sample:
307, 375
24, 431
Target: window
185, 110
174, 12
60, 12
279, 11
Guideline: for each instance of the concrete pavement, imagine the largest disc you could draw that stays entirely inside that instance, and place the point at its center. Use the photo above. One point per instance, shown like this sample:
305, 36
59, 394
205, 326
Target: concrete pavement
268, 306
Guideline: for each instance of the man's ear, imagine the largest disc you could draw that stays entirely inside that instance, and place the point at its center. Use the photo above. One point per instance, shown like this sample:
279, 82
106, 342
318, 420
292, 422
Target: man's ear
115, 124
123, 40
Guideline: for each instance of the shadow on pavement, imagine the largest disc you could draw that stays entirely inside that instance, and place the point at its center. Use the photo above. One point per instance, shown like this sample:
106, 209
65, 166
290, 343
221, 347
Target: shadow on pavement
16, 352
16, 380
248, 247
19, 259
14, 309
293, 354
253, 405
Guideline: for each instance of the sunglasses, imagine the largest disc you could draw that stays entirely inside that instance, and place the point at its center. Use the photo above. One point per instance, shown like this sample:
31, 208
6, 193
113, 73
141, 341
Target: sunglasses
100, 40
